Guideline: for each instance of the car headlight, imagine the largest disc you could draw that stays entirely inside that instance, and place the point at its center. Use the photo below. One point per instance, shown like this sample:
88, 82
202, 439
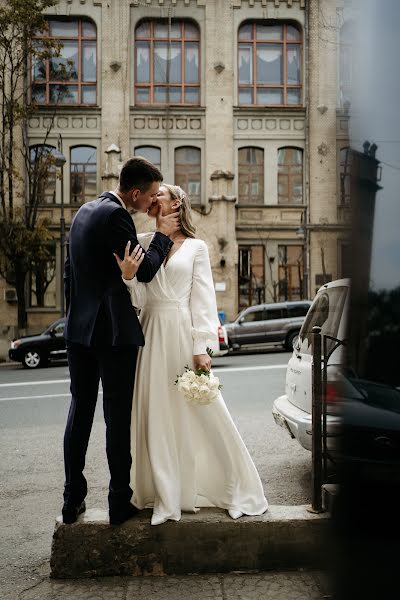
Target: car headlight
15, 344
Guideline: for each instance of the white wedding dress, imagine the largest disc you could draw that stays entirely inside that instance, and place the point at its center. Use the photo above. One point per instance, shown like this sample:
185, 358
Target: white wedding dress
184, 456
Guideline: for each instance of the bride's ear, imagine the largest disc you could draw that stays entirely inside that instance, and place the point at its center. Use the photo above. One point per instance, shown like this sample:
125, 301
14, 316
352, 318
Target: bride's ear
176, 204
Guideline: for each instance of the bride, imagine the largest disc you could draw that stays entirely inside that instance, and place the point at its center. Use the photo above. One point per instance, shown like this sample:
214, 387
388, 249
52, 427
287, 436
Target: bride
184, 456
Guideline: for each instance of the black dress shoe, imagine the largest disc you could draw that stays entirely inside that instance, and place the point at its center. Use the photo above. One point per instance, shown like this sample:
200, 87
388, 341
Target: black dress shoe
117, 517
70, 515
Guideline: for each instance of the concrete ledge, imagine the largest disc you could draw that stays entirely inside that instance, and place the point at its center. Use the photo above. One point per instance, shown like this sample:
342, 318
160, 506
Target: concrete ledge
206, 542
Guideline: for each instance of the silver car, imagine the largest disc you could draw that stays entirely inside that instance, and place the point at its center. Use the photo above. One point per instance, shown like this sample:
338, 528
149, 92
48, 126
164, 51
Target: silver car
277, 323
293, 409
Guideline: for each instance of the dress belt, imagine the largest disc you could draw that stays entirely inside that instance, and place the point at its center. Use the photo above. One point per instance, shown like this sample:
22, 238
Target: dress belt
167, 304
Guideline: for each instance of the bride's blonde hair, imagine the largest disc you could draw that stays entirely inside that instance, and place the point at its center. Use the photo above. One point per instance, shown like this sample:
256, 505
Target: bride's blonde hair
185, 210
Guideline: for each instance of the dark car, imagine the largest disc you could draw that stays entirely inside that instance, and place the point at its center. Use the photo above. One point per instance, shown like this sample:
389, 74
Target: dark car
268, 323
35, 351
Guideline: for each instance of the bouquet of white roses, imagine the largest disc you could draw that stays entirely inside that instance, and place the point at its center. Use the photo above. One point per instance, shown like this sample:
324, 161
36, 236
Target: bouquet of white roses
198, 386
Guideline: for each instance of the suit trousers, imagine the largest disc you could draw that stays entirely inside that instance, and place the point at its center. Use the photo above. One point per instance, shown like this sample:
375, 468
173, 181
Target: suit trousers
115, 367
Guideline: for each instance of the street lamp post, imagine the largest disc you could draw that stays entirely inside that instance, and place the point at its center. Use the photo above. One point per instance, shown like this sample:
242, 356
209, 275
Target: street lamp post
301, 232
60, 161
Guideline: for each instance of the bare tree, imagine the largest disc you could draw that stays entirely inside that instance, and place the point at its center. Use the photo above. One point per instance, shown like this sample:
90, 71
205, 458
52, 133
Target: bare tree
24, 237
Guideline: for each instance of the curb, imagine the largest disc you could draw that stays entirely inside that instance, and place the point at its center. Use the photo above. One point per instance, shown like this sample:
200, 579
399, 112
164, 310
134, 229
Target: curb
206, 542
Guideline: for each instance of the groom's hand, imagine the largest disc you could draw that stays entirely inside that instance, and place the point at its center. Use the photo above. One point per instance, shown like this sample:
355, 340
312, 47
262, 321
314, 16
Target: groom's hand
202, 361
169, 224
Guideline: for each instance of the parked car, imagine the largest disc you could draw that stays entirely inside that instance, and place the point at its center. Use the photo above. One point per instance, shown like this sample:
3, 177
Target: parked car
278, 323
35, 351
222, 341
292, 410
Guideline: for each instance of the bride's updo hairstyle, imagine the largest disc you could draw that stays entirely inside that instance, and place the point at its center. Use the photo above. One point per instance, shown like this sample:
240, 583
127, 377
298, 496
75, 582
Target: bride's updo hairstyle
185, 210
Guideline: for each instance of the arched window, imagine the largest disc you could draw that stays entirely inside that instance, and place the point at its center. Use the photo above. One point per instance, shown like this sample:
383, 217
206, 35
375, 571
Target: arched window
83, 174
188, 171
70, 78
251, 175
42, 175
151, 153
345, 64
290, 176
167, 62
270, 59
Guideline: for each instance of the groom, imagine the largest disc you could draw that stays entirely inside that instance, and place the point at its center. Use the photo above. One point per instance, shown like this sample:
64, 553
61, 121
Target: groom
103, 332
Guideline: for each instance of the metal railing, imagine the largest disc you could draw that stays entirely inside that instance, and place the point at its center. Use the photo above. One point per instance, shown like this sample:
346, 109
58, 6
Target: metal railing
320, 452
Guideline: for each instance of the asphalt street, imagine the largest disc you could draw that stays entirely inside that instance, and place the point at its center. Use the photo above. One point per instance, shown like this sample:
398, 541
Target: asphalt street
33, 410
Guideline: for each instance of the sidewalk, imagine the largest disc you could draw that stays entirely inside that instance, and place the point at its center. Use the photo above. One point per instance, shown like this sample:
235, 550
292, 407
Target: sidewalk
272, 585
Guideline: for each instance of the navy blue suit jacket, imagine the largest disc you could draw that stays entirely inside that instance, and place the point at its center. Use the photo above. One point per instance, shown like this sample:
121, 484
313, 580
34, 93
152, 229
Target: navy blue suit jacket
98, 302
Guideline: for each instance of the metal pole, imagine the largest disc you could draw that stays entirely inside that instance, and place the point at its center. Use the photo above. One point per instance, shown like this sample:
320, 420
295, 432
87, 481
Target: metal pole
62, 246
316, 501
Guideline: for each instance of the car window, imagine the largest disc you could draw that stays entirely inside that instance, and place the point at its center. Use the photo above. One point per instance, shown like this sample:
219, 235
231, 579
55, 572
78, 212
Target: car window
253, 315
276, 313
298, 310
59, 328
325, 312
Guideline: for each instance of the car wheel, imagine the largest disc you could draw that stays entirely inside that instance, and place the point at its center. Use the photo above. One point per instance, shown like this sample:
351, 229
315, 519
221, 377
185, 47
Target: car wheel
32, 359
290, 340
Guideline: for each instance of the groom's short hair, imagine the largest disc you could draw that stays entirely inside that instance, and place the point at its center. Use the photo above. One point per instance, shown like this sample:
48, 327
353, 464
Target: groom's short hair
137, 172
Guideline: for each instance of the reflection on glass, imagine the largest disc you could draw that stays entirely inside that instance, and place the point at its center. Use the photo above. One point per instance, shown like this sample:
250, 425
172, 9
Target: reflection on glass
245, 96
143, 30
66, 65
293, 96
292, 33
39, 94
269, 96
83, 181
245, 32
167, 56
269, 64
89, 94
269, 32
245, 64
293, 64
191, 31
88, 29
191, 63
150, 153
192, 95
89, 61
60, 28
143, 62
63, 94
142, 95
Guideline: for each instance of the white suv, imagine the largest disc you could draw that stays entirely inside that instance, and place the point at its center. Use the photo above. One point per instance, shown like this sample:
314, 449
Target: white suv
292, 411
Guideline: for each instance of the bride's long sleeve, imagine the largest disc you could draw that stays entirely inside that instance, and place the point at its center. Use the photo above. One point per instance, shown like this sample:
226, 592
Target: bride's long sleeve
137, 291
203, 304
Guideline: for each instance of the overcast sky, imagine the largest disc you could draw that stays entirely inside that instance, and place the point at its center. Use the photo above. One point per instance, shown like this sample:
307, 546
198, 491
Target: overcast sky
375, 116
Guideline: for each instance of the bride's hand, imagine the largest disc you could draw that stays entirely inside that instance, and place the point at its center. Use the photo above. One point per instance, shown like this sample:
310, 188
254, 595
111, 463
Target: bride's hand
202, 361
131, 263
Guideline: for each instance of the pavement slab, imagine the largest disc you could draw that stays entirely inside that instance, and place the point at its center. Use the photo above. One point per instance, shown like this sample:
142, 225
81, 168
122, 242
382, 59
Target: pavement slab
272, 585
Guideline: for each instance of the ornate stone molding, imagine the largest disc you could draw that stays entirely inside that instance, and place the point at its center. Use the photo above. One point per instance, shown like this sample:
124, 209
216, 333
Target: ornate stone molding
268, 3
88, 123
192, 124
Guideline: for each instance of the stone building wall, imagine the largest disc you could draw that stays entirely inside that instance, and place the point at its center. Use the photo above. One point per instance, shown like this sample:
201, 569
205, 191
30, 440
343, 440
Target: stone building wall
219, 127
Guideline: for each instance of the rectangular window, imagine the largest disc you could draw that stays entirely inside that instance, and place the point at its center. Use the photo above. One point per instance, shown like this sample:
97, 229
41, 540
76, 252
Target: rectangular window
166, 55
251, 279
71, 77
269, 64
290, 272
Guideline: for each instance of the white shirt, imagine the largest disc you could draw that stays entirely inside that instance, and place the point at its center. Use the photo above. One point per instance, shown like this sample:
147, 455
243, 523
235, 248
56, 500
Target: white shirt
118, 198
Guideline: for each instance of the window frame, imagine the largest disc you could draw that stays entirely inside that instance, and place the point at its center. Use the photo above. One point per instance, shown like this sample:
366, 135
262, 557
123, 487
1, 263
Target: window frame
253, 41
249, 171
289, 176
176, 177
71, 164
79, 83
52, 171
151, 85
136, 153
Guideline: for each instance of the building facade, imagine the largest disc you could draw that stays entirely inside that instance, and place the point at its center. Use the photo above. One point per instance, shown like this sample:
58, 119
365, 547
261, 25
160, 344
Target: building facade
244, 103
